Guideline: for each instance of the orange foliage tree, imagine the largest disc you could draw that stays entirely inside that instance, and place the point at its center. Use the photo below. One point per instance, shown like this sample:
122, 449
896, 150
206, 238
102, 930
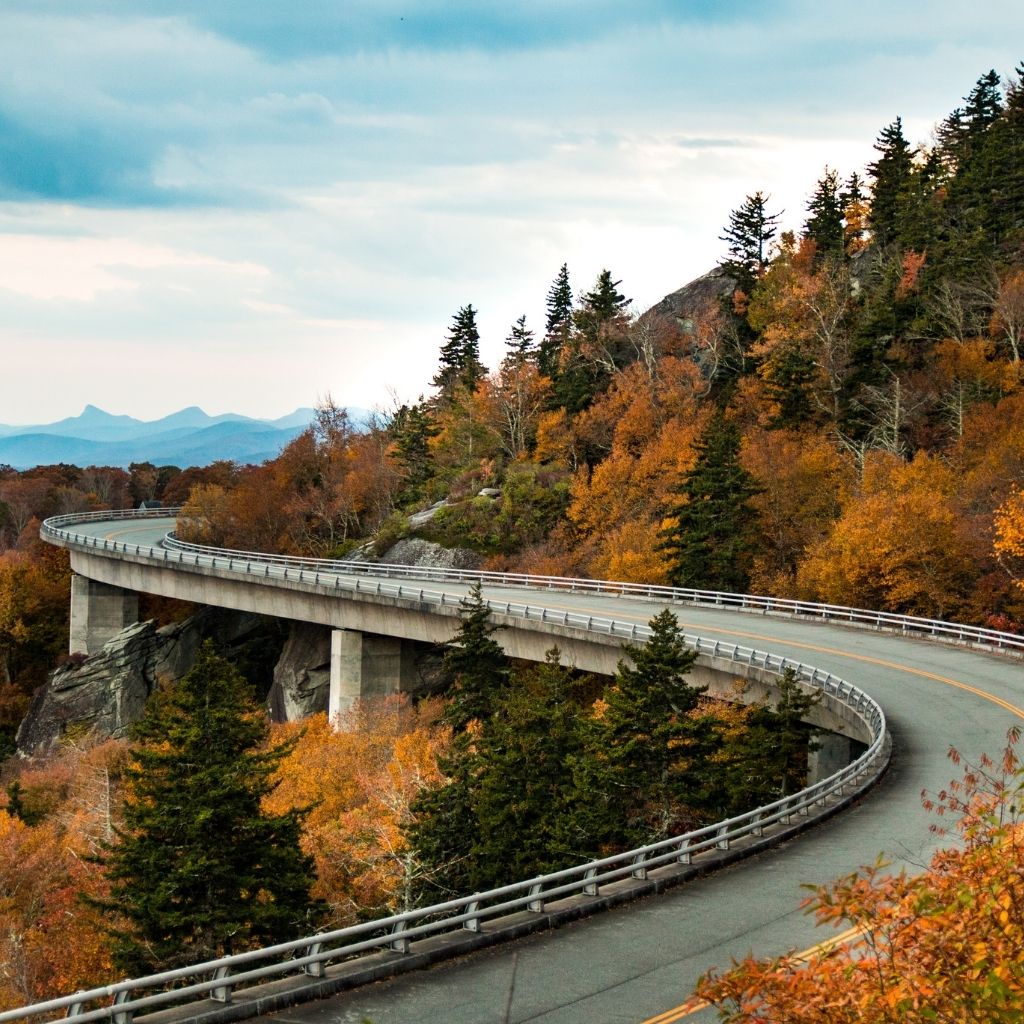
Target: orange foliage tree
52, 941
361, 779
942, 946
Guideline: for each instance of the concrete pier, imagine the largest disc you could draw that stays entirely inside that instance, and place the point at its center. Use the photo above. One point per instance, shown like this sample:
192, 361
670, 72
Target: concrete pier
98, 612
368, 665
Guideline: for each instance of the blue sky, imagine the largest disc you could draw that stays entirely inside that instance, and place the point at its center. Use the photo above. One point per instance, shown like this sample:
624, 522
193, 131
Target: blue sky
247, 206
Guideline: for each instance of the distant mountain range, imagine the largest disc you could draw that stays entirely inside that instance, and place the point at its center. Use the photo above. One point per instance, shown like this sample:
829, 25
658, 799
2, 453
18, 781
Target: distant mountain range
186, 438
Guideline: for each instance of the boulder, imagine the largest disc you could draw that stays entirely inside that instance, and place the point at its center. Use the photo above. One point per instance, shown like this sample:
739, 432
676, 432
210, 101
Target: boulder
417, 551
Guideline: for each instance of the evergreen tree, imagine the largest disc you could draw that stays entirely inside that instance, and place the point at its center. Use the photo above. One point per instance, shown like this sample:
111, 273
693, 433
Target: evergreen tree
445, 823
854, 203
890, 175
519, 345
824, 224
715, 533
526, 800
598, 345
651, 763
750, 231
768, 758
410, 430
460, 367
984, 105
199, 869
558, 324
477, 664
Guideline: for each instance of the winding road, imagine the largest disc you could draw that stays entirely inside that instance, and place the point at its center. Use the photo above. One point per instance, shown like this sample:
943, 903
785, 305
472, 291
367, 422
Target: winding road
639, 963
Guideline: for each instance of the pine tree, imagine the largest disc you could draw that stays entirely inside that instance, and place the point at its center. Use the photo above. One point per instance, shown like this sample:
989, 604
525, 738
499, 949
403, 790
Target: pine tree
199, 869
460, 367
824, 224
713, 539
890, 174
750, 231
558, 324
519, 345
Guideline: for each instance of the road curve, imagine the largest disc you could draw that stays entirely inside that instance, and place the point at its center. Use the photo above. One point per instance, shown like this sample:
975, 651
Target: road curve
640, 962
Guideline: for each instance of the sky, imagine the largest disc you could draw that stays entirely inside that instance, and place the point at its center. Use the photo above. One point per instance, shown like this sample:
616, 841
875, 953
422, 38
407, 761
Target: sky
250, 206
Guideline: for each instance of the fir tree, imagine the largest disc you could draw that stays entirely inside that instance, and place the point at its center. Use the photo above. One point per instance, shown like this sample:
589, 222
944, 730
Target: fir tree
519, 345
650, 761
597, 346
199, 869
824, 224
557, 325
769, 759
526, 800
749, 233
410, 430
445, 819
854, 203
460, 367
890, 175
712, 542
477, 664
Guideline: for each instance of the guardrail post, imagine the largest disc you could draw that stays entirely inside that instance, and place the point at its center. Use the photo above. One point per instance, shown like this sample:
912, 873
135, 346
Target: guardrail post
222, 993
400, 943
639, 867
472, 924
317, 968
122, 1016
590, 887
722, 842
536, 905
683, 856
76, 1008
757, 828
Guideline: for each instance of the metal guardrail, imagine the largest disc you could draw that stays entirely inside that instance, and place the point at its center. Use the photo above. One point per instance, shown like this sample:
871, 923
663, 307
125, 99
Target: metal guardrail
935, 629
217, 979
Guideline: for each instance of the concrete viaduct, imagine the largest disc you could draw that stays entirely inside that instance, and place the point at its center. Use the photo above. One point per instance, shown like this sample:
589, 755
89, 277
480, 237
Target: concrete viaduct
374, 633
941, 685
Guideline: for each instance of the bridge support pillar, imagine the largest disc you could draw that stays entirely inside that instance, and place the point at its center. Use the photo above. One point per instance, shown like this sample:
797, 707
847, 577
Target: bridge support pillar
99, 611
834, 752
367, 665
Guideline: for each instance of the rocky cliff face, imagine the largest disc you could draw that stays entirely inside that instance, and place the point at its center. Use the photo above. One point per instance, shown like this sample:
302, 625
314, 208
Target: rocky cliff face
106, 693
302, 675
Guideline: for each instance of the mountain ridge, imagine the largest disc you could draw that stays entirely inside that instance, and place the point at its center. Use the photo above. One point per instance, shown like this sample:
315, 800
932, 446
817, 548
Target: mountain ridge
188, 437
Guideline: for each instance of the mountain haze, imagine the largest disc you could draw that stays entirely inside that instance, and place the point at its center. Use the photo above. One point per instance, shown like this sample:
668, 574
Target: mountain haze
189, 437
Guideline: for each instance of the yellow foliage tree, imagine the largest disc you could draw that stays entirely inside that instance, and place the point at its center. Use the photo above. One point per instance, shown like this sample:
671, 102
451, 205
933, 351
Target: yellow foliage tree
899, 544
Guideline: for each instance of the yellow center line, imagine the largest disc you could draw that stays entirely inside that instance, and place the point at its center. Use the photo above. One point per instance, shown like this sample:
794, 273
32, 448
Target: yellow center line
881, 662
695, 1004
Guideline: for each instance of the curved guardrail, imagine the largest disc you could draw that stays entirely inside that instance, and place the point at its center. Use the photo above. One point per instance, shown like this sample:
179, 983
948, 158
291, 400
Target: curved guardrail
934, 629
310, 955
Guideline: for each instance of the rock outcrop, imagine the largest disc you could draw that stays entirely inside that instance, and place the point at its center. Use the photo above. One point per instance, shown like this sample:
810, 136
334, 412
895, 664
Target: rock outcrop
302, 676
417, 551
106, 693
692, 299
